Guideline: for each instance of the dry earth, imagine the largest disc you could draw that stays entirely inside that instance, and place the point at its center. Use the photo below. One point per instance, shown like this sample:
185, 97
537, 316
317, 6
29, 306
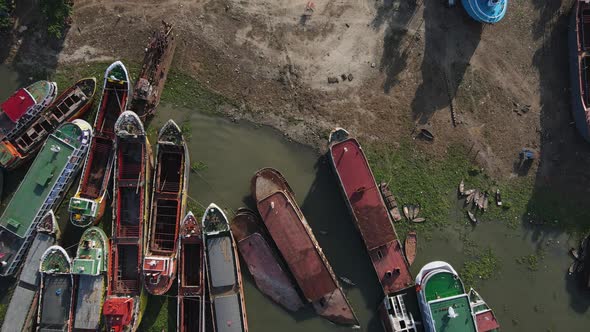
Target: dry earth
408, 61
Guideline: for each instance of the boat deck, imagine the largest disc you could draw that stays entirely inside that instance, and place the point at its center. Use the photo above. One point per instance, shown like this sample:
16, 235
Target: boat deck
87, 314
227, 313
36, 186
370, 215
486, 321
296, 246
462, 323
57, 302
222, 268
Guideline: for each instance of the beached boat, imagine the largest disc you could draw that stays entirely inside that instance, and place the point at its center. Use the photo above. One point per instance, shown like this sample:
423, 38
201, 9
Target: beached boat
89, 269
88, 204
399, 311
390, 201
156, 64
410, 247
56, 298
369, 212
42, 189
191, 277
26, 139
579, 59
299, 248
223, 272
486, 11
126, 299
445, 305
170, 187
22, 309
264, 263
25, 105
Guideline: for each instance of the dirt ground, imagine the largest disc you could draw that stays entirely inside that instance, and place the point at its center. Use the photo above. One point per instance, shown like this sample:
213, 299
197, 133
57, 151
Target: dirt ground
405, 64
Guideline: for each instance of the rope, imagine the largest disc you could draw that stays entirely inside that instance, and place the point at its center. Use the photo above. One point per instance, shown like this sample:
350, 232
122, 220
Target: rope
221, 199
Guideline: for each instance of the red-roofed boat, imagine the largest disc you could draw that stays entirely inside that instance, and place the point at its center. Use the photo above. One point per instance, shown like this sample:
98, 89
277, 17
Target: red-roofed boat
369, 212
263, 261
168, 204
124, 306
297, 244
191, 277
25, 105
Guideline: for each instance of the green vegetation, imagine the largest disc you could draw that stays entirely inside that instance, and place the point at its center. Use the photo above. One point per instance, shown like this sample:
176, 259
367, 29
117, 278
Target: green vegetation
198, 166
160, 314
481, 267
531, 261
57, 14
186, 130
6, 8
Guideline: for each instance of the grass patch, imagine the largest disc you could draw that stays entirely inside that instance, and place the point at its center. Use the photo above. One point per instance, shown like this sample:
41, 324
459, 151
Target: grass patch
531, 261
184, 90
479, 268
160, 314
57, 15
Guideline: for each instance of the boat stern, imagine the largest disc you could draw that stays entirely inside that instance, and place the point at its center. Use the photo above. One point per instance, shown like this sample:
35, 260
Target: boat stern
158, 274
119, 313
83, 212
9, 156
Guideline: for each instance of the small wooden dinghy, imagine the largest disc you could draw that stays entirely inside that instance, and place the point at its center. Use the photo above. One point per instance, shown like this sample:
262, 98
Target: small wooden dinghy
390, 201
462, 187
498, 198
419, 220
410, 247
406, 212
485, 202
472, 217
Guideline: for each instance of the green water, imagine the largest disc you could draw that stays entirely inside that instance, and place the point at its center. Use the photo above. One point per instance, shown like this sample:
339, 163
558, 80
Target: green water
524, 300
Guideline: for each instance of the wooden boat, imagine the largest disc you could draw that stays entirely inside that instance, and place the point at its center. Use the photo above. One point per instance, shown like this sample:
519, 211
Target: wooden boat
486, 11
418, 220
43, 188
471, 216
125, 302
498, 198
22, 309
485, 319
410, 247
25, 105
485, 202
406, 210
26, 138
191, 277
461, 187
368, 211
56, 299
88, 204
469, 192
264, 263
445, 305
170, 183
390, 201
156, 63
399, 311
89, 269
416, 212
223, 271
300, 250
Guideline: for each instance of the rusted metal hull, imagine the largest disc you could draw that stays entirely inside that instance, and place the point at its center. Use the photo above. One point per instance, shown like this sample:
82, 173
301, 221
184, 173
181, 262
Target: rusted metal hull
263, 262
123, 306
299, 248
167, 208
156, 64
369, 212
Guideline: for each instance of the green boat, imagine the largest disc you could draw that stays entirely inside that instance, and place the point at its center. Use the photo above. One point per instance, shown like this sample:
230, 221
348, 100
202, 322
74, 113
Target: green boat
446, 306
42, 189
89, 268
55, 302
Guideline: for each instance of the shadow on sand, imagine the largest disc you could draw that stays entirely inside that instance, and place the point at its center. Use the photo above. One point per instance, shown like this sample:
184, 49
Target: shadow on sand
562, 178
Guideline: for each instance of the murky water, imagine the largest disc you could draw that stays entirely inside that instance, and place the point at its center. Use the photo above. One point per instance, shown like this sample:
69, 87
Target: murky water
543, 300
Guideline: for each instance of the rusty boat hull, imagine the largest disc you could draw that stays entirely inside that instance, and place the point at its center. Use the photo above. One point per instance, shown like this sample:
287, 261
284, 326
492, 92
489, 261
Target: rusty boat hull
170, 187
262, 260
191, 301
125, 301
157, 61
295, 241
369, 212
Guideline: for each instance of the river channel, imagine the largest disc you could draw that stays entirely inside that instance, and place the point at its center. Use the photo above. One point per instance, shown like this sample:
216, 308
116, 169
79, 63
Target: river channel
545, 299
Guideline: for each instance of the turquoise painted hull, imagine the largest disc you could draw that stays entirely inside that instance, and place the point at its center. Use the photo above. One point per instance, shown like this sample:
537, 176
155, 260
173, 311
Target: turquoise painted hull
486, 11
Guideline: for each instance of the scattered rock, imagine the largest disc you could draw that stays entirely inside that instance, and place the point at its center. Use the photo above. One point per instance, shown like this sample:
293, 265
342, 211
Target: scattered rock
343, 77
347, 25
350, 77
22, 28
333, 79
373, 65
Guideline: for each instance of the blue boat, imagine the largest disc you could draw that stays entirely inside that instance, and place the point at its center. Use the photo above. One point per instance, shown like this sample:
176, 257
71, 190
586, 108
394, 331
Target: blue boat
579, 58
486, 11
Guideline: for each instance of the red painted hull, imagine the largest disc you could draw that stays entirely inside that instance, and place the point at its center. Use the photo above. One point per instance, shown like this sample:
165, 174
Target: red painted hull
370, 214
